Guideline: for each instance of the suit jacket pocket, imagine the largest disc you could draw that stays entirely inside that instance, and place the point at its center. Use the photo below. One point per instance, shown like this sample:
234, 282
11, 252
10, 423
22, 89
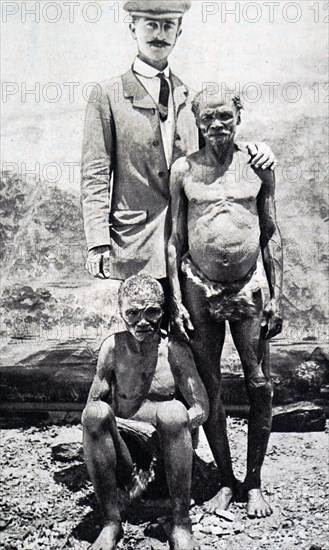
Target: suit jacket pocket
128, 217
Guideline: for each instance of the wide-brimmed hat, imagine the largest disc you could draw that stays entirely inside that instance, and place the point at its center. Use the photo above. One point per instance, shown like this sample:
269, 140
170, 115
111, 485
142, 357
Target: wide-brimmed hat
158, 9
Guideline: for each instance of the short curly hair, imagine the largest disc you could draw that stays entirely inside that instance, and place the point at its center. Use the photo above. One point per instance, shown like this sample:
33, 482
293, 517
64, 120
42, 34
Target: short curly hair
222, 97
141, 286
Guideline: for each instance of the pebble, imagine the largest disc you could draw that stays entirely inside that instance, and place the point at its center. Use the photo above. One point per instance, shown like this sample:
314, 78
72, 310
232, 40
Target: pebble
255, 533
238, 528
225, 514
197, 518
216, 530
211, 520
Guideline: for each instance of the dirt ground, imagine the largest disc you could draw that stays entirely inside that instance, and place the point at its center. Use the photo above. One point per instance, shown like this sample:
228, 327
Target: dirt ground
48, 510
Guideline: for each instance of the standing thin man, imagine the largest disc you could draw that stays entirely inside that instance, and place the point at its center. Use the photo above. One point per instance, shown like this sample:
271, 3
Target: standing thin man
221, 225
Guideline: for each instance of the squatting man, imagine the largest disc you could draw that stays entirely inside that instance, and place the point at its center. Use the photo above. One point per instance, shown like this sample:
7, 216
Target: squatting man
222, 221
126, 368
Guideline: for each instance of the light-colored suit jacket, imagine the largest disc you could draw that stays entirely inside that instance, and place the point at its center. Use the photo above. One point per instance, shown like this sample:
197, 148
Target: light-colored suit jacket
125, 179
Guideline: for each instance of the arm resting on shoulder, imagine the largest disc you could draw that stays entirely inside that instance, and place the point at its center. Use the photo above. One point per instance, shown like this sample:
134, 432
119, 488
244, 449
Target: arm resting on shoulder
261, 155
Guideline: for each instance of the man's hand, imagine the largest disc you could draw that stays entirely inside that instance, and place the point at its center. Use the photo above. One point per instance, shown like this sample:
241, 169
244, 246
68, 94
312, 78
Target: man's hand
181, 321
98, 262
197, 416
261, 156
272, 319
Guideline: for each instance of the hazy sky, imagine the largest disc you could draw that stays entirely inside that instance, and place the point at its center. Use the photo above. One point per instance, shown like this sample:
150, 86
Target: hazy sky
58, 50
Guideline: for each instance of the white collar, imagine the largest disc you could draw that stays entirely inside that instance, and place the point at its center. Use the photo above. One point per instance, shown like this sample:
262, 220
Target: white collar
143, 69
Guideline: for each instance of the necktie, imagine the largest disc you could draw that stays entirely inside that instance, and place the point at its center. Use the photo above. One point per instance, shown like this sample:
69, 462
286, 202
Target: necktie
164, 97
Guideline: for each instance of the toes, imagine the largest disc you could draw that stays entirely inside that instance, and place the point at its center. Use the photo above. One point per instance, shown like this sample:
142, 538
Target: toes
259, 513
252, 512
211, 508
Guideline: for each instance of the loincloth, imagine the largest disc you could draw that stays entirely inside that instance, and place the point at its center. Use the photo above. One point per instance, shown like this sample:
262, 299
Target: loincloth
226, 301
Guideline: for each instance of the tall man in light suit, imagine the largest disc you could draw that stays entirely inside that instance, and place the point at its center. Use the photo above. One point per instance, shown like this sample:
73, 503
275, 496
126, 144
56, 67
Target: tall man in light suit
136, 126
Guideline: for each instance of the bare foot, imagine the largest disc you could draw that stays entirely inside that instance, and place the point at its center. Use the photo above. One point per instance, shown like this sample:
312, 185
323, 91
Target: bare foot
109, 537
257, 505
221, 501
182, 538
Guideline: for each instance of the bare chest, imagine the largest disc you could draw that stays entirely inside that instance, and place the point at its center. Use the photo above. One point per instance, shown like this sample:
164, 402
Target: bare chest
134, 378
232, 188
131, 382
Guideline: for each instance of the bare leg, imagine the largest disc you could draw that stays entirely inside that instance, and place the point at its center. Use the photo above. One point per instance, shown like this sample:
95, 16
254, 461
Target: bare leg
254, 355
207, 342
172, 425
104, 449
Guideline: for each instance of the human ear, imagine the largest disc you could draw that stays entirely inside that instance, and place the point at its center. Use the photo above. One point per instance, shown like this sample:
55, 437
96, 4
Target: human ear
132, 30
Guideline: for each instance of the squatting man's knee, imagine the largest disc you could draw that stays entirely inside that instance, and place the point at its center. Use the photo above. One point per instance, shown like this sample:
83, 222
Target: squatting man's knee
126, 368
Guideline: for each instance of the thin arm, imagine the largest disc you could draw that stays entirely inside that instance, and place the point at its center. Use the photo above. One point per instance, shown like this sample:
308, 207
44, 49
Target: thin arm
188, 381
178, 239
100, 389
270, 238
271, 247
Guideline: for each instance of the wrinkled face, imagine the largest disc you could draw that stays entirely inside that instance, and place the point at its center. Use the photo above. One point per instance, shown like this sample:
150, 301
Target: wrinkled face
156, 38
142, 317
217, 122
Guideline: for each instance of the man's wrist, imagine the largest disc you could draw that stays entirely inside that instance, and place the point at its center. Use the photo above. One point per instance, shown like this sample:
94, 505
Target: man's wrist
197, 415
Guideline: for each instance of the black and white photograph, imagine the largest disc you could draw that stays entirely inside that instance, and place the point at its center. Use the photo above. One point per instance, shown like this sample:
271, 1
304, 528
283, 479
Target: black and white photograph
164, 277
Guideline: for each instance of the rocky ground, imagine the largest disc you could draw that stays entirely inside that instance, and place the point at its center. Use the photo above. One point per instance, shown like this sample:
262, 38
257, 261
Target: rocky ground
48, 508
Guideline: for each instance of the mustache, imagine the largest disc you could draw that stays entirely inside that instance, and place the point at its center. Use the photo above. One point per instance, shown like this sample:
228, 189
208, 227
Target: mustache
159, 43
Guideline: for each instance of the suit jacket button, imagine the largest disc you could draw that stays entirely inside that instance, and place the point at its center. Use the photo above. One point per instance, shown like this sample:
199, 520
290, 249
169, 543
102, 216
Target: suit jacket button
156, 143
161, 174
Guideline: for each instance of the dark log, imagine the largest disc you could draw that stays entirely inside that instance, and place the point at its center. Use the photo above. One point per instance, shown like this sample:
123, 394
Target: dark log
60, 374
56, 373
299, 417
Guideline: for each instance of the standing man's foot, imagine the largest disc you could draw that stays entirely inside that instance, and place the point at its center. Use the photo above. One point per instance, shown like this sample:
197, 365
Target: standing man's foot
257, 505
221, 501
109, 537
182, 538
